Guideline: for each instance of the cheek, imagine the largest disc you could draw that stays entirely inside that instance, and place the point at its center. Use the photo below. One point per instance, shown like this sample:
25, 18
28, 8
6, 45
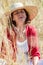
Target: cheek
14, 18
25, 16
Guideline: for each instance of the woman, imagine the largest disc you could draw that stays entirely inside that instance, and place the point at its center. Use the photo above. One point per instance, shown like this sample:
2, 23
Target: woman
26, 39
22, 36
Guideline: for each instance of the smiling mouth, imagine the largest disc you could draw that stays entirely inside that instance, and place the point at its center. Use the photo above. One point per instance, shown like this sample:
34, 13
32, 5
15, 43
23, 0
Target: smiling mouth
20, 17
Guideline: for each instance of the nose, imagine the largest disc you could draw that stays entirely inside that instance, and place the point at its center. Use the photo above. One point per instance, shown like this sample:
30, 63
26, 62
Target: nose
19, 14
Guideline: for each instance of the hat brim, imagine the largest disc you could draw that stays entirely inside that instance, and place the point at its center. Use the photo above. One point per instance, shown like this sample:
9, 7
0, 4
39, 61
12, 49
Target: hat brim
32, 11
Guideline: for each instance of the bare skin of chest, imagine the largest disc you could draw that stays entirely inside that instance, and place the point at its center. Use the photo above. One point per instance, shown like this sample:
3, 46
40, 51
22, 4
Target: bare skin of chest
21, 37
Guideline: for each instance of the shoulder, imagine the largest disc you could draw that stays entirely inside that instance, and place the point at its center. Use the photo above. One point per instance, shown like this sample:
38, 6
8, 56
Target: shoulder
30, 27
31, 30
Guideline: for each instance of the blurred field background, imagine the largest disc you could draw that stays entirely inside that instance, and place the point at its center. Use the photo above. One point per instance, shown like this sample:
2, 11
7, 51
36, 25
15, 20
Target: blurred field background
37, 22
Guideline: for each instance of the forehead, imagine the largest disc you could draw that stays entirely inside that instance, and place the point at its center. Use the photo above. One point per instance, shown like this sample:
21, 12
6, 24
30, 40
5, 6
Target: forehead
18, 10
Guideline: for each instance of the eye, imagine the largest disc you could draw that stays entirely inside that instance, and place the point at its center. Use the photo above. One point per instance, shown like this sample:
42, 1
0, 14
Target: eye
15, 13
18, 11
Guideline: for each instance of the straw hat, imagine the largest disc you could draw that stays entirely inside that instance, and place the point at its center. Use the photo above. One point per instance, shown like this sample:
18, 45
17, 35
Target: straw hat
32, 10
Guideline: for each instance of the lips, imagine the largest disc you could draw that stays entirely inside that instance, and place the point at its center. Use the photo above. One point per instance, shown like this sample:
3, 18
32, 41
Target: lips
21, 17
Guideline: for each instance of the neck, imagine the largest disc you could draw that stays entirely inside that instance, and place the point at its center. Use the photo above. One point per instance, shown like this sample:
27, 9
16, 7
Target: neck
21, 27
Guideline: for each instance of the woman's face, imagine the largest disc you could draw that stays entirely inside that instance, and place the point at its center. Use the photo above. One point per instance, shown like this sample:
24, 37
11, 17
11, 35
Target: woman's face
19, 16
